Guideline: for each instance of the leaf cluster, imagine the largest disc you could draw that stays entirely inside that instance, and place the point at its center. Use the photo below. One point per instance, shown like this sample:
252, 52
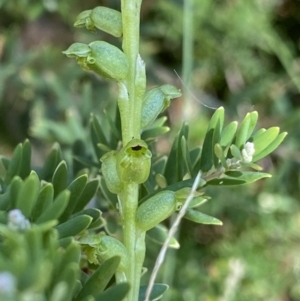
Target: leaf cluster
43, 260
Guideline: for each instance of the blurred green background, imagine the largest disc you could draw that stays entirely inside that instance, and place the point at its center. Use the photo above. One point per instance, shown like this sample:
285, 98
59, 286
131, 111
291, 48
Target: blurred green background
246, 56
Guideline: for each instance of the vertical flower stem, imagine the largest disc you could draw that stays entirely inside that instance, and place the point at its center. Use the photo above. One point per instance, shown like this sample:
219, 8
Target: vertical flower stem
131, 31
129, 200
130, 109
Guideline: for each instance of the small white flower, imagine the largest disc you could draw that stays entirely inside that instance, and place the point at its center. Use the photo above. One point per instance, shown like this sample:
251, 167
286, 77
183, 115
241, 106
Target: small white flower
248, 152
233, 163
249, 147
7, 284
17, 221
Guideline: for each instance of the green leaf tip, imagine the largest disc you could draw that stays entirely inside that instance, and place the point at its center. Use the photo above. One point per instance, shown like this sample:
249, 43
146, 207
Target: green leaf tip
201, 218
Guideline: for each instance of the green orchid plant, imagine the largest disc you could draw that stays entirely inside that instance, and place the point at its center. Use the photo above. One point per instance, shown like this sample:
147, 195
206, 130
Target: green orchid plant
53, 246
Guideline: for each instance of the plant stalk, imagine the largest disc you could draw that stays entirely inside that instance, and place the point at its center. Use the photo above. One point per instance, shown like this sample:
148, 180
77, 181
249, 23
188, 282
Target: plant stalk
134, 241
131, 31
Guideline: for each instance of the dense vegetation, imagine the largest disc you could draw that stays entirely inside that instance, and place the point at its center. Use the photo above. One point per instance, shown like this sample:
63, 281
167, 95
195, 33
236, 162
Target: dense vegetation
245, 57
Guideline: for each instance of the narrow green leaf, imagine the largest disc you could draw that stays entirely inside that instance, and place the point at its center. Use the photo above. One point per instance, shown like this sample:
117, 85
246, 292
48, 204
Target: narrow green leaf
253, 121
114, 293
159, 164
3, 215
72, 254
220, 154
175, 168
5, 200
51, 163
66, 241
14, 190
217, 117
77, 287
201, 218
5, 162
84, 277
195, 154
109, 196
235, 151
97, 136
186, 155
25, 167
228, 134
251, 165
56, 209
87, 194
97, 223
28, 194
156, 294
95, 214
207, 158
44, 201
98, 130
265, 139
60, 292
238, 178
14, 165
198, 201
271, 147
159, 122
115, 131
99, 280
159, 234
86, 162
158, 167
75, 188
73, 226
104, 147
60, 178
242, 132
33, 245
69, 275
257, 134
174, 187
152, 133
161, 180
117, 120
215, 140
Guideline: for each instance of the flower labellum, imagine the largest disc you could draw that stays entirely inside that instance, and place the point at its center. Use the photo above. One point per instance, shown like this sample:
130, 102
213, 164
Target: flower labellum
134, 162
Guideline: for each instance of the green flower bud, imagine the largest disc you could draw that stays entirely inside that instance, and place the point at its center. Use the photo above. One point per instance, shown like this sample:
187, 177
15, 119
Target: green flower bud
84, 19
107, 60
155, 210
170, 91
156, 101
109, 171
102, 247
100, 57
108, 20
103, 18
134, 162
77, 50
109, 247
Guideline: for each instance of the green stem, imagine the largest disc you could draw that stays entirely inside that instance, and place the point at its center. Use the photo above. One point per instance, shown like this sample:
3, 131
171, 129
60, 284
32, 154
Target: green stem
130, 104
131, 31
134, 240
